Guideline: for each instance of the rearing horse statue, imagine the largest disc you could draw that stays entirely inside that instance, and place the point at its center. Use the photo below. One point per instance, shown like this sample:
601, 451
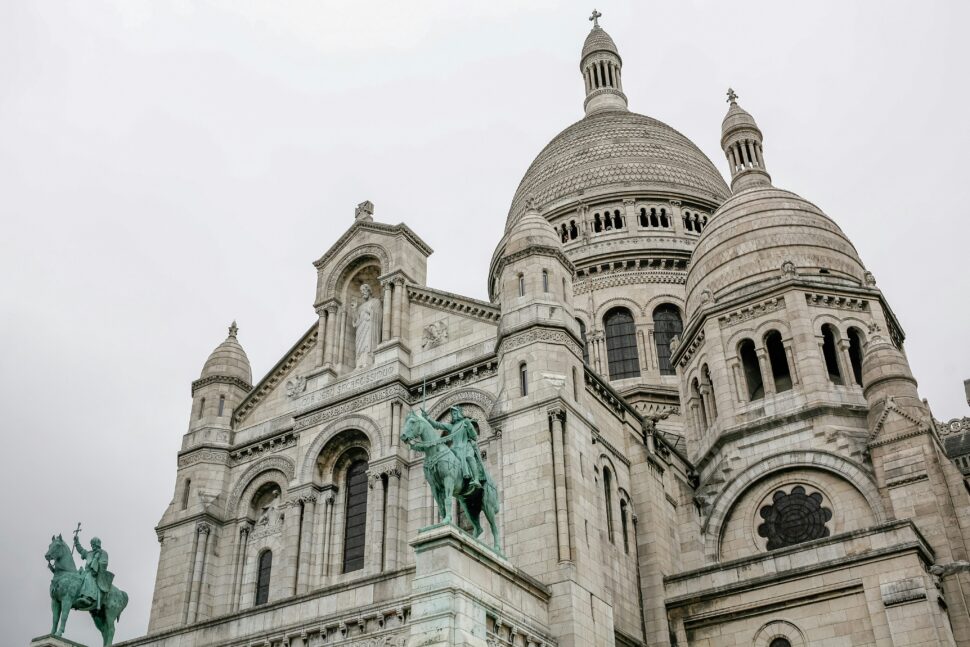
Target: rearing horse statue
66, 590
443, 471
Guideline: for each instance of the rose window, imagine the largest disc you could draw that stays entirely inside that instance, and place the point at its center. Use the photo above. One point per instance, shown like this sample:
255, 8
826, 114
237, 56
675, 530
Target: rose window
793, 518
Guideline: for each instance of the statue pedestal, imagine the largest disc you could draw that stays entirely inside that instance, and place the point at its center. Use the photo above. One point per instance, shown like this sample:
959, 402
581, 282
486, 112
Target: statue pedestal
465, 594
53, 641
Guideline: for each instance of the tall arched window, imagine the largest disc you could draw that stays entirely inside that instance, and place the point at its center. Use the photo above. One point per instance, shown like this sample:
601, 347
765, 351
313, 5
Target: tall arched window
264, 569
607, 489
201, 408
582, 337
185, 493
706, 378
623, 526
222, 405
521, 285
779, 361
523, 379
621, 344
855, 354
355, 516
695, 391
617, 220
667, 324
545, 280
830, 353
752, 371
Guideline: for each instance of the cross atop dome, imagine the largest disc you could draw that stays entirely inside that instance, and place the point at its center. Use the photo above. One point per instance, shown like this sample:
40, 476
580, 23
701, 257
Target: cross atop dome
732, 96
595, 18
233, 329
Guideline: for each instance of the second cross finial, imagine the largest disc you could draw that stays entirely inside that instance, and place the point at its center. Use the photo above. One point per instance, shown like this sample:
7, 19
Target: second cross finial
732, 96
596, 18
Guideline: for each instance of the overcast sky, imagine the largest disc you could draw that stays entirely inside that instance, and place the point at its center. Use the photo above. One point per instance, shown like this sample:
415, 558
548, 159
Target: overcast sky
167, 167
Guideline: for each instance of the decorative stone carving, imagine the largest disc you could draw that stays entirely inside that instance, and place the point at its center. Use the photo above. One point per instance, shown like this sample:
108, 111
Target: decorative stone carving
869, 279
793, 518
435, 334
295, 386
788, 270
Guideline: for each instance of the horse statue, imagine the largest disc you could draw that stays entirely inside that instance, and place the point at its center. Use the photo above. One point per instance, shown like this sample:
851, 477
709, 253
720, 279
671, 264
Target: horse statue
444, 473
66, 592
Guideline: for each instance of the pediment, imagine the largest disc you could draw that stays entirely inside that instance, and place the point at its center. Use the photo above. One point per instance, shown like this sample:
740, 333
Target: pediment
369, 229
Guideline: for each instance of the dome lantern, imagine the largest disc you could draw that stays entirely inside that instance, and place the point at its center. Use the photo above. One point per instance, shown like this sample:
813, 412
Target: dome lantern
741, 141
600, 65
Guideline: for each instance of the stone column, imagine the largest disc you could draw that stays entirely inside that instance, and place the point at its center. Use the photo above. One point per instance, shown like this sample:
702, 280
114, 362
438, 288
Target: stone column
790, 355
767, 377
556, 417
288, 566
325, 557
374, 550
308, 521
629, 214
393, 518
845, 362
386, 310
330, 339
202, 530
322, 336
396, 408
705, 390
398, 310
239, 565
740, 384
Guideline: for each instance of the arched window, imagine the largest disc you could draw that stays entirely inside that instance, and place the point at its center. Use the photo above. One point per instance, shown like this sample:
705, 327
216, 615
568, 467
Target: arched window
597, 223
621, 344
688, 223
654, 221
607, 490
582, 336
564, 233
355, 516
623, 526
780, 642
565, 293
855, 354
779, 361
545, 281
667, 324
695, 392
752, 371
222, 405
265, 568
706, 377
643, 218
523, 379
185, 493
521, 285
201, 408
617, 220
830, 353
573, 230
663, 218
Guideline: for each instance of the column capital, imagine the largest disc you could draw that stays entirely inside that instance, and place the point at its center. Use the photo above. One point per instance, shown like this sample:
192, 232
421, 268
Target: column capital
556, 412
203, 528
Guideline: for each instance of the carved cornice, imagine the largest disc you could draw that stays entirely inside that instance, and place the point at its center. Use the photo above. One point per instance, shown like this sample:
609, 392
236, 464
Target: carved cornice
457, 378
448, 302
220, 379
317, 416
539, 334
401, 229
750, 311
695, 345
618, 279
259, 447
838, 302
276, 374
203, 455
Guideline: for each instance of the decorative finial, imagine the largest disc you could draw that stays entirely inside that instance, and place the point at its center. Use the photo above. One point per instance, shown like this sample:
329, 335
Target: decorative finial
732, 96
531, 204
364, 211
596, 19
233, 329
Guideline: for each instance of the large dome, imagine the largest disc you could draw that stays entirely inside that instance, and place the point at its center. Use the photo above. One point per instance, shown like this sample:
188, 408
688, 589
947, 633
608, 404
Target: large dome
613, 152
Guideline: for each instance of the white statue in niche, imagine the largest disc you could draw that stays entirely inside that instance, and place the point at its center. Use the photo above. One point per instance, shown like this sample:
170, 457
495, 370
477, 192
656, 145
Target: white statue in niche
367, 326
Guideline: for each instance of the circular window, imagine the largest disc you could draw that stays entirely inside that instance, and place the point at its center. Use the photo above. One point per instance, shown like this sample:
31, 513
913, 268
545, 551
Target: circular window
792, 518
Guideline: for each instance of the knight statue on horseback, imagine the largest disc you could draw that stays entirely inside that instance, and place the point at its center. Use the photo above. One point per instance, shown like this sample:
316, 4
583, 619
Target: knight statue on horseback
97, 578
454, 469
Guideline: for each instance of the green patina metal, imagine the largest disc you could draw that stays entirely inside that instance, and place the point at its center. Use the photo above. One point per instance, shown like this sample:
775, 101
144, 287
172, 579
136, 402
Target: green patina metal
87, 589
453, 468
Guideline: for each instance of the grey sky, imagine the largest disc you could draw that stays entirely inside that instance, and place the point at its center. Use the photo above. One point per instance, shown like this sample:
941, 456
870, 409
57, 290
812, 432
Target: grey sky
166, 167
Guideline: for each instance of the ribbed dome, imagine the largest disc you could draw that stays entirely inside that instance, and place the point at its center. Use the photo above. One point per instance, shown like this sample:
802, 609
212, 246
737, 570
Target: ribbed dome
229, 360
737, 117
754, 234
599, 41
531, 230
617, 151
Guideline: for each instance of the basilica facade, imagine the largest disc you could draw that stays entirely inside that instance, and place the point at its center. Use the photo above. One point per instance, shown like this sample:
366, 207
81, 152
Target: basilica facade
691, 395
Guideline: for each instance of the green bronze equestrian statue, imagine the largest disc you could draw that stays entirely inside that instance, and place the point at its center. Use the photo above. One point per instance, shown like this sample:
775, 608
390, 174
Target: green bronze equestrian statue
88, 589
453, 468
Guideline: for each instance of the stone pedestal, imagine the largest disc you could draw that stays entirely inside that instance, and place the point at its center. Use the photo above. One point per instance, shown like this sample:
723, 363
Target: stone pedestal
53, 641
464, 594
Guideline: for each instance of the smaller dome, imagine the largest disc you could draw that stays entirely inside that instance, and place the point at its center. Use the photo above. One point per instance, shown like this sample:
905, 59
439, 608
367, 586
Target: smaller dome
883, 362
229, 360
760, 235
737, 117
599, 41
531, 230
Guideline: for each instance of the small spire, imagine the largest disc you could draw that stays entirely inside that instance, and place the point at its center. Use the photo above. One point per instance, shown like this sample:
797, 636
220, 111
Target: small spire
741, 141
732, 96
364, 211
596, 19
233, 329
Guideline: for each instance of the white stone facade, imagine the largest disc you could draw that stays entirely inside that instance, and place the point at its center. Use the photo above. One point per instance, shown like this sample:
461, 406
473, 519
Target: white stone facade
693, 399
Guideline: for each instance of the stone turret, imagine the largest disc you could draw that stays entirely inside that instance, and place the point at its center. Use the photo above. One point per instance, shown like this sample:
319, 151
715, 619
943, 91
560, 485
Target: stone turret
741, 141
600, 65
225, 380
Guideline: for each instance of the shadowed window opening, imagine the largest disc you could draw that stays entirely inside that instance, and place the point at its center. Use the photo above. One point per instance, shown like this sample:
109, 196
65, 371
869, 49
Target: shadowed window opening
523, 379
521, 285
617, 220
355, 516
779, 361
667, 324
706, 376
793, 518
829, 352
545, 281
780, 642
607, 487
222, 405
185, 493
597, 223
582, 336
201, 408
262, 578
623, 526
752, 372
855, 354
621, 344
